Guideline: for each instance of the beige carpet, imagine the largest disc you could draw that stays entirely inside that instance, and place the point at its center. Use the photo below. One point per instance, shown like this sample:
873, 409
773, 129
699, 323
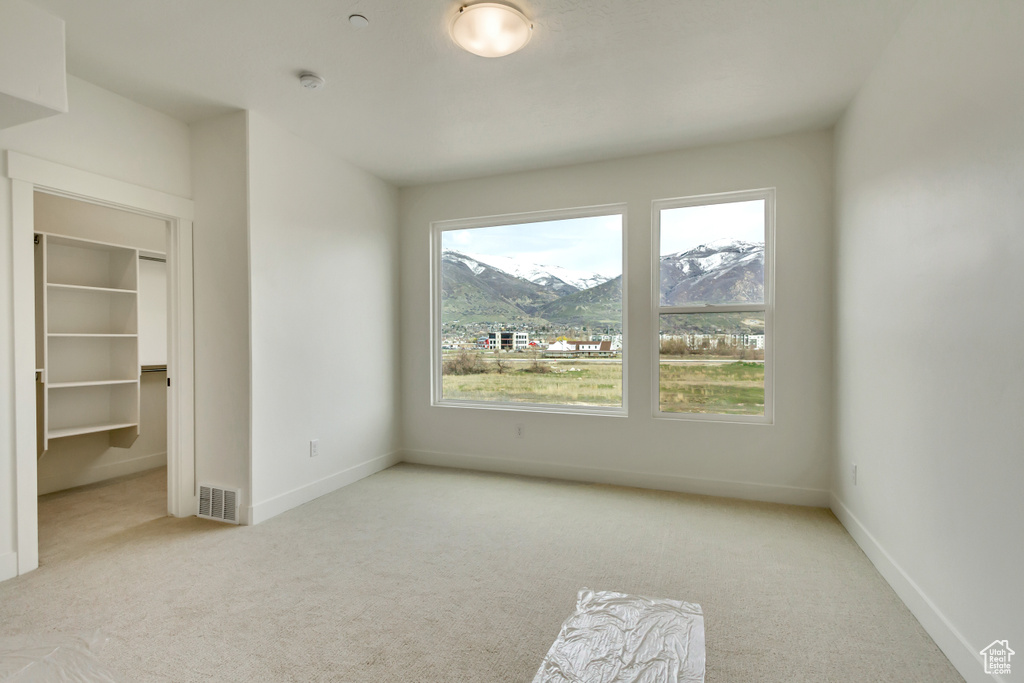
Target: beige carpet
428, 575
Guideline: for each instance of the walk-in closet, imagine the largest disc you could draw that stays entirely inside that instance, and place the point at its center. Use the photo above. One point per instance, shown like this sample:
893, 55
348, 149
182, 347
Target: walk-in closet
101, 343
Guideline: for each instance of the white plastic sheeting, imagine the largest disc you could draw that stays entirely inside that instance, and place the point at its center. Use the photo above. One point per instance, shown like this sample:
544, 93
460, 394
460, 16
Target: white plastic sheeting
619, 638
53, 658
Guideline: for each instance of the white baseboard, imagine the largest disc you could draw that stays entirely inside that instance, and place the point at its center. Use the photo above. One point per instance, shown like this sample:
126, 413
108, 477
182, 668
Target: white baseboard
961, 654
8, 566
262, 511
91, 475
769, 493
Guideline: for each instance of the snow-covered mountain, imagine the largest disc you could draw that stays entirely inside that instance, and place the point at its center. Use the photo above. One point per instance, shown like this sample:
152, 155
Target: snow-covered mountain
553, 277
478, 288
723, 271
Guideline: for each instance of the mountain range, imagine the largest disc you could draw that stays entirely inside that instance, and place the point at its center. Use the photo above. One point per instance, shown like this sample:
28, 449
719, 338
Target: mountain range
723, 271
474, 290
546, 276
477, 288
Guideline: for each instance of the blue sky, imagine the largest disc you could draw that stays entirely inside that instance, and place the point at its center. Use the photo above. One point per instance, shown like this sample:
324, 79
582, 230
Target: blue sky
592, 244
687, 227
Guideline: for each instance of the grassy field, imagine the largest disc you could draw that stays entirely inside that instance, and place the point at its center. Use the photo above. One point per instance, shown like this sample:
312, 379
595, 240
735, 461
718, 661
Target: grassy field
735, 388
593, 384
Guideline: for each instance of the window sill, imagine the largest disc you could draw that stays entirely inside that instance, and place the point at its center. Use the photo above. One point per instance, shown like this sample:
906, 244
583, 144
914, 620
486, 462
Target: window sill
599, 411
716, 417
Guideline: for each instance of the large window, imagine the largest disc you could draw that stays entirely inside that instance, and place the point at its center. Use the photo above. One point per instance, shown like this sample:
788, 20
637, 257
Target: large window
528, 311
714, 310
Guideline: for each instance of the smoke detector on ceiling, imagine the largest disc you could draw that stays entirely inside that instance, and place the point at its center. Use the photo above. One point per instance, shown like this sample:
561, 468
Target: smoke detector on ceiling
311, 81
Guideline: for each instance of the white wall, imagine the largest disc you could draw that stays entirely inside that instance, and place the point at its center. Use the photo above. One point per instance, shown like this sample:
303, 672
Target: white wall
221, 282
787, 461
152, 312
930, 375
112, 136
324, 250
74, 218
102, 133
32, 79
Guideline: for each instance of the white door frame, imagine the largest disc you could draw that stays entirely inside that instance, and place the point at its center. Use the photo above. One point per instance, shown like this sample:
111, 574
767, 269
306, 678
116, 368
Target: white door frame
29, 175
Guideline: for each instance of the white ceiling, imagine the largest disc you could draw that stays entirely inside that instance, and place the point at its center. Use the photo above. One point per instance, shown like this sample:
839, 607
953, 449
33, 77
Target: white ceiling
599, 79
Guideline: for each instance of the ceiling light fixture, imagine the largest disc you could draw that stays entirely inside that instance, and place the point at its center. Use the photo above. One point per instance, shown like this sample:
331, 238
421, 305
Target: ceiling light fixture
491, 29
358, 21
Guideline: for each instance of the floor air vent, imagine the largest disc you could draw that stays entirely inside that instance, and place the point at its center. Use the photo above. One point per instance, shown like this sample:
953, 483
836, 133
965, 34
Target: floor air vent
219, 504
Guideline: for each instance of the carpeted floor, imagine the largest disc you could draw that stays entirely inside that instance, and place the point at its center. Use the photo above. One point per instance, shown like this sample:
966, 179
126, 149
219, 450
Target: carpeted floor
426, 575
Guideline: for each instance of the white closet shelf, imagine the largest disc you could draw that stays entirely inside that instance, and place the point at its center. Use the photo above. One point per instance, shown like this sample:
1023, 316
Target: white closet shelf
87, 429
89, 288
90, 301
95, 383
83, 243
90, 334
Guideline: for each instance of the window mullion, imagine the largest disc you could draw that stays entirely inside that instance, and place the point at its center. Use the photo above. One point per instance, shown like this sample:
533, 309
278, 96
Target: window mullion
739, 308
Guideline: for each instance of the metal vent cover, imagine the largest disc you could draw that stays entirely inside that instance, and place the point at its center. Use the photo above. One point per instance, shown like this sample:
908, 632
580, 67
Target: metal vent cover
218, 503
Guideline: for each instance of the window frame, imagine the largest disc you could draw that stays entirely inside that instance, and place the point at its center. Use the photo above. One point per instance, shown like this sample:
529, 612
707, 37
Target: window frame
768, 307
437, 230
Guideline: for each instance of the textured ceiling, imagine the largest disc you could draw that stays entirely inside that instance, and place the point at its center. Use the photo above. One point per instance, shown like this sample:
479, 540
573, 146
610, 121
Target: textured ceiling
599, 79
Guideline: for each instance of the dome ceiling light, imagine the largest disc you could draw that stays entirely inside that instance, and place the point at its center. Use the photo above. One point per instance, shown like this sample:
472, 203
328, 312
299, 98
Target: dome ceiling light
491, 29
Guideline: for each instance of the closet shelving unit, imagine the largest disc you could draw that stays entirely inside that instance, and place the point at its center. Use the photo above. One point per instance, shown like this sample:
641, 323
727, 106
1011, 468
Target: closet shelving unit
87, 339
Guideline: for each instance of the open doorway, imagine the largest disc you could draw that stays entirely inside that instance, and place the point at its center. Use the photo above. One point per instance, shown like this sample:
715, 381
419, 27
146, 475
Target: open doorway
122, 402
101, 366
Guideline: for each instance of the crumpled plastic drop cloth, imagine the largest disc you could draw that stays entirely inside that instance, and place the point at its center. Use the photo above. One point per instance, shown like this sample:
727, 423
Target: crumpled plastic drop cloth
53, 658
619, 638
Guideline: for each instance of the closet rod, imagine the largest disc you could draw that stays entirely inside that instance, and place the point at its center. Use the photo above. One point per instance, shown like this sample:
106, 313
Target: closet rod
152, 258
154, 368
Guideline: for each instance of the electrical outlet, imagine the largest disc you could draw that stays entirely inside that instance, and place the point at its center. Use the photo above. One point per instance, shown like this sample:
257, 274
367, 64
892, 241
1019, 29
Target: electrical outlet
520, 430
854, 474
314, 448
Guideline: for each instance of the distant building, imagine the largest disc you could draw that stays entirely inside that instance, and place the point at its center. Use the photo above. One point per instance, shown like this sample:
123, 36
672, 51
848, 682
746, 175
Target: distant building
698, 340
749, 341
581, 348
505, 340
